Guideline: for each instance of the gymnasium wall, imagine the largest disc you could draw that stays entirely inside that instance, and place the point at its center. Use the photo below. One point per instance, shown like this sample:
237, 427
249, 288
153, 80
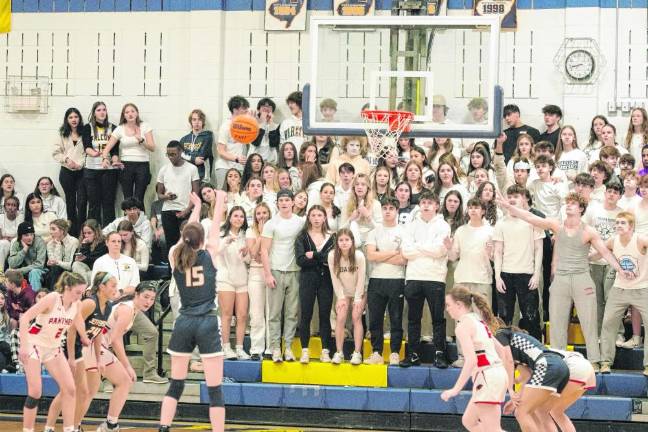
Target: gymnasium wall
174, 55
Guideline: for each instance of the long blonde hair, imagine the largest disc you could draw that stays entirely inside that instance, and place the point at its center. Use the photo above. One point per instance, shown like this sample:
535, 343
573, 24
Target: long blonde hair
353, 199
68, 280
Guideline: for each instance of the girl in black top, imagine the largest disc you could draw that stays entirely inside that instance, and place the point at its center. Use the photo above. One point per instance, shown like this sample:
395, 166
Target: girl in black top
100, 182
91, 247
194, 270
543, 376
311, 249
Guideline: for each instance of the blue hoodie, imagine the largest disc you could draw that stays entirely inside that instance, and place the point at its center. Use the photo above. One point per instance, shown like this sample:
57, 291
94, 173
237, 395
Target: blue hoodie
198, 146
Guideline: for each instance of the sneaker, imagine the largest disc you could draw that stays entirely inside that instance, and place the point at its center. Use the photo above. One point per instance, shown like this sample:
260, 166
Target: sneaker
459, 363
356, 358
411, 360
394, 358
645, 372
325, 357
375, 358
288, 355
426, 338
164, 429
619, 340
255, 357
276, 356
103, 427
230, 354
49, 429
155, 379
241, 354
337, 358
632, 343
305, 356
605, 368
440, 360
596, 367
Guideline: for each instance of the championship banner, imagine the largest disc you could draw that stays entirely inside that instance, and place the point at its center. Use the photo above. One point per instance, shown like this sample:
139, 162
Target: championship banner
505, 9
353, 7
285, 15
5, 16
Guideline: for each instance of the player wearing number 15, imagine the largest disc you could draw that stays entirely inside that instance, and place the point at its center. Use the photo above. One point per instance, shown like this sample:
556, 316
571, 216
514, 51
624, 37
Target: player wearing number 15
194, 272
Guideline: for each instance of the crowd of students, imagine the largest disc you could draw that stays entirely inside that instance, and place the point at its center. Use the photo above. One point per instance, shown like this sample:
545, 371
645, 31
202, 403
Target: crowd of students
533, 219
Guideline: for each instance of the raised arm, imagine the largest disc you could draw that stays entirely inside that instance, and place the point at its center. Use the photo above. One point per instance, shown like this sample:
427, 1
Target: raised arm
214, 233
527, 216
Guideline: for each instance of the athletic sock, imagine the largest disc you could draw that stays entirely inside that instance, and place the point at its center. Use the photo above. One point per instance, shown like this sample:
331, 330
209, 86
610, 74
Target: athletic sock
28, 430
68, 429
112, 425
164, 429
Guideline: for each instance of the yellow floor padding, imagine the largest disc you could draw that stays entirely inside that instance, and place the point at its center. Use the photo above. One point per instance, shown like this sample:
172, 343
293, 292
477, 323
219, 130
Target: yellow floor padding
316, 373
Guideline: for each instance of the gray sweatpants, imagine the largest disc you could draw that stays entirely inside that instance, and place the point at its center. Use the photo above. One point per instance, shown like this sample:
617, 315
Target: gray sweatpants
603, 278
579, 289
617, 303
285, 296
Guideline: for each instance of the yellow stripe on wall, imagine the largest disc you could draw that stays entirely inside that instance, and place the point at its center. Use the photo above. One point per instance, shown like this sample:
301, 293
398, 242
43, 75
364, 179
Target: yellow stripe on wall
5, 16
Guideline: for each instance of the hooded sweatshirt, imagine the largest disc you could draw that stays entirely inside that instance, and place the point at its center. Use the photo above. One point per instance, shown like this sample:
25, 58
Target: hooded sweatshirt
198, 146
142, 228
427, 257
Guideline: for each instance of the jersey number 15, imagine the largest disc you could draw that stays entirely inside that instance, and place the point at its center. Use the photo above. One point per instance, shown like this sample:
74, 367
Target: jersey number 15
195, 277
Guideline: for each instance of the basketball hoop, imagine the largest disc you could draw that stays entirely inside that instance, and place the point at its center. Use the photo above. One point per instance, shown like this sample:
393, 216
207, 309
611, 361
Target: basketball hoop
383, 128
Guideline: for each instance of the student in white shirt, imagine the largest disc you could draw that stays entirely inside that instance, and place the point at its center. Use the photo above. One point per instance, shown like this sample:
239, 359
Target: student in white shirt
427, 267
231, 153
133, 245
281, 275
630, 196
472, 246
569, 158
175, 182
601, 172
346, 174
136, 144
134, 213
291, 129
9, 222
547, 195
52, 202
386, 282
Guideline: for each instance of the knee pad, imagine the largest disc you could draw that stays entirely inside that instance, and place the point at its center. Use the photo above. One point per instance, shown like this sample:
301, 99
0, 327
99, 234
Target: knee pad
216, 396
176, 387
31, 403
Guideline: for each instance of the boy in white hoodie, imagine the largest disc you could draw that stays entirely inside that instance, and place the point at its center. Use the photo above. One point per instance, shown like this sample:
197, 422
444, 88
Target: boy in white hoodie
427, 265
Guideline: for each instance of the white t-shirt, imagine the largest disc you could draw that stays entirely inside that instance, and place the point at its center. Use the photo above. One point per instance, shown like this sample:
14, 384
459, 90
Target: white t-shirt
636, 145
519, 238
130, 150
291, 130
177, 179
283, 233
9, 228
386, 239
629, 203
603, 222
474, 263
595, 154
548, 196
124, 269
233, 147
573, 161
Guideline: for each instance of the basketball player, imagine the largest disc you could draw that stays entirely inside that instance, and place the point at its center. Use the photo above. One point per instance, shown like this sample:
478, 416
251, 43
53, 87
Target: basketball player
194, 272
95, 310
482, 360
113, 362
40, 343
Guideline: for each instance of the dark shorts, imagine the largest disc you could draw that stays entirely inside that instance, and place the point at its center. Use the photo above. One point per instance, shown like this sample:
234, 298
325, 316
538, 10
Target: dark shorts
191, 331
550, 373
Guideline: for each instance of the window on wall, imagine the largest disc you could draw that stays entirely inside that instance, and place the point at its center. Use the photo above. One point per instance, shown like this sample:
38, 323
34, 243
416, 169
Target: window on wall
153, 73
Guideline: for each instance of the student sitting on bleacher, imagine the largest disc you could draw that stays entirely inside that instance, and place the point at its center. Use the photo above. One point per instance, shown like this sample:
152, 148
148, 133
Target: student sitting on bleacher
134, 213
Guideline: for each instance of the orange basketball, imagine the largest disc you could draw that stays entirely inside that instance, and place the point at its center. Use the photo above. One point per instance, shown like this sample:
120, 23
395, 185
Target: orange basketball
244, 129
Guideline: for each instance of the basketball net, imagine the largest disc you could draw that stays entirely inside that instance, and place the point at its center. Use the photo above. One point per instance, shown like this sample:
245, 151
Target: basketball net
383, 128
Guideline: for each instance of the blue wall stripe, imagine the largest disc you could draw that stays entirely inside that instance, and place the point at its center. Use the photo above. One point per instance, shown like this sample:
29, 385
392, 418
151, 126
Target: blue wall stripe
18, 6
92, 6
46, 5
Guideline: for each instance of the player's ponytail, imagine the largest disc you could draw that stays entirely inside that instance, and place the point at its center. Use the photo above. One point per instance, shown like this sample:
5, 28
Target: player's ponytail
187, 250
68, 280
476, 301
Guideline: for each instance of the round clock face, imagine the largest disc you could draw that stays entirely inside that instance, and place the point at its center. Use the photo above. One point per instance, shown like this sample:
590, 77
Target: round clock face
579, 65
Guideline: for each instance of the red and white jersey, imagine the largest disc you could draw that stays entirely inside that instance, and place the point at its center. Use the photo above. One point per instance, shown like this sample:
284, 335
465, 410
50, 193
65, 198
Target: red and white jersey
483, 342
48, 329
113, 318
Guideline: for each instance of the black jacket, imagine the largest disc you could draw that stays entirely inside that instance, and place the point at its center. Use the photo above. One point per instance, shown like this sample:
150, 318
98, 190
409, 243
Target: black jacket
274, 138
318, 265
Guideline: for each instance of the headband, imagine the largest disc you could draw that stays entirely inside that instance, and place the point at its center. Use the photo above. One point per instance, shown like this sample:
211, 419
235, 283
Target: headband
522, 165
105, 279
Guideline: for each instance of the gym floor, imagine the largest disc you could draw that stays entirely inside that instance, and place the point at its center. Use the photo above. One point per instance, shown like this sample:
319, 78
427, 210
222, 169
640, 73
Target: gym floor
10, 424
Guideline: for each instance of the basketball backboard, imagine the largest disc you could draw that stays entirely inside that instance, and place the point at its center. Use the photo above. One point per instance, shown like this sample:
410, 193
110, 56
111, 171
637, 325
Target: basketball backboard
435, 67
